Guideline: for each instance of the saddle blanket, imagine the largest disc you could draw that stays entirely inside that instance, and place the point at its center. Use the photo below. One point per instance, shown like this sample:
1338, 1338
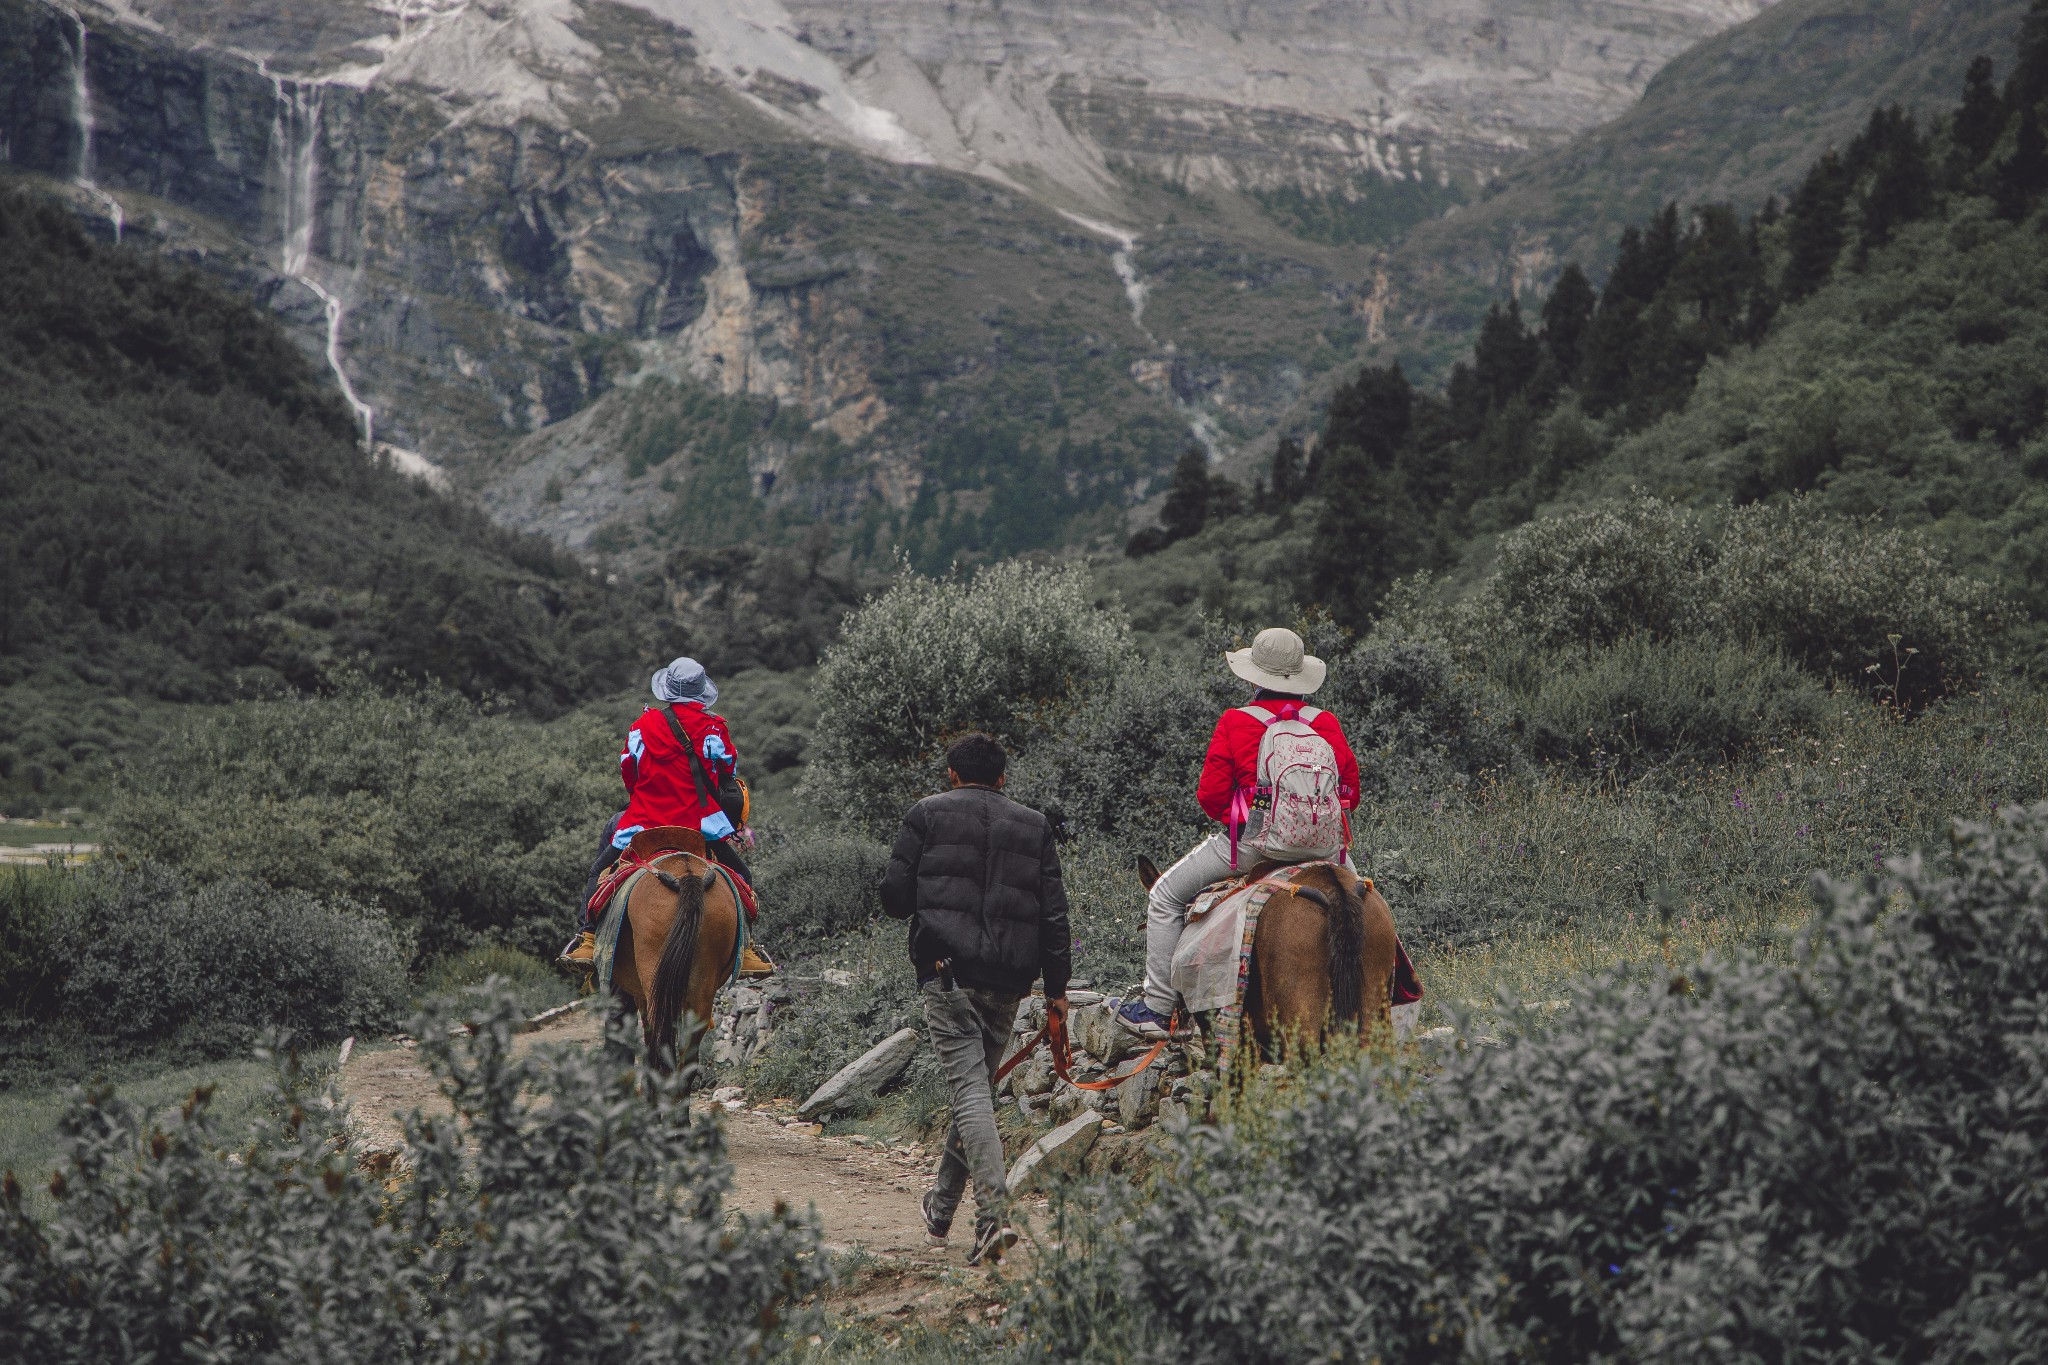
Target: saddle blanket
1206, 961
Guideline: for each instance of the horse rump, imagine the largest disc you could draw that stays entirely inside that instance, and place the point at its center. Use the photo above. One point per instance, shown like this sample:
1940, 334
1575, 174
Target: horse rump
1344, 940
678, 956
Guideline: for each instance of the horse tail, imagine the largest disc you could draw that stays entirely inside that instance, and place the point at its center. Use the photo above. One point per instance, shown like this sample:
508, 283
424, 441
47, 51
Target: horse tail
1346, 941
678, 955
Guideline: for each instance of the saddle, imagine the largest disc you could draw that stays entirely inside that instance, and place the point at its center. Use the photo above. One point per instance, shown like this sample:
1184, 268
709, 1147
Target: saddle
649, 845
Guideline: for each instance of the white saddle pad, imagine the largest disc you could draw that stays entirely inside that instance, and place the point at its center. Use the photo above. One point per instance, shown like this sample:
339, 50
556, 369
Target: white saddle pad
1205, 960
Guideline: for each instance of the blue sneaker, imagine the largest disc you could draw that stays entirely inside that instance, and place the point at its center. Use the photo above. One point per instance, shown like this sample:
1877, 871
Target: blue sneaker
1137, 1017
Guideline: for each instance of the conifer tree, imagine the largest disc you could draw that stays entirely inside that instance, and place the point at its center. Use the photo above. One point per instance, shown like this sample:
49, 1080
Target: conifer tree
1187, 502
2028, 84
1566, 315
2021, 176
1815, 232
1285, 487
1979, 120
1714, 273
1367, 533
1372, 413
1902, 182
1505, 357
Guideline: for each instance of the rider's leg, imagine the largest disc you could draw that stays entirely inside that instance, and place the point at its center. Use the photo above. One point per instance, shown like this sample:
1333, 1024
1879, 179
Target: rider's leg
723, 850
582, 950
753, 962
606, 856
969, 1030
1166, 912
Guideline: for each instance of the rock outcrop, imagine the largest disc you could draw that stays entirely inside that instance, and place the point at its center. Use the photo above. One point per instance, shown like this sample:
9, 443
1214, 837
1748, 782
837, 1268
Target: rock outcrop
644, 270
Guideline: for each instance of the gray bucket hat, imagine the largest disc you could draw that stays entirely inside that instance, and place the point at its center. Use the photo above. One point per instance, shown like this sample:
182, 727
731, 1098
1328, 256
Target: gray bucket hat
1278, 660
683, 681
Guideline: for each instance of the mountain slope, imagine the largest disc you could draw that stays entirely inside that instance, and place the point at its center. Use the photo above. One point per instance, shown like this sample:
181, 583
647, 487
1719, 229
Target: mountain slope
189, 519
1739, 117
1023, 249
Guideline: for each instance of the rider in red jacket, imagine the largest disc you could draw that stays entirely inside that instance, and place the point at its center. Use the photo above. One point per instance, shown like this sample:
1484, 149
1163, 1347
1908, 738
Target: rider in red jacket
662, 775
1233, 758
1284, 674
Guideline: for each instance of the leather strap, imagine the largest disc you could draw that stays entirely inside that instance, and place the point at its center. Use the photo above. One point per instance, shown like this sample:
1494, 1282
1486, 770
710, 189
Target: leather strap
707, 792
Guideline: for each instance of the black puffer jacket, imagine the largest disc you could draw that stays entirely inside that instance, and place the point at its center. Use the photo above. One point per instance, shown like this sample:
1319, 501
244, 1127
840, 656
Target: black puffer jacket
978, 878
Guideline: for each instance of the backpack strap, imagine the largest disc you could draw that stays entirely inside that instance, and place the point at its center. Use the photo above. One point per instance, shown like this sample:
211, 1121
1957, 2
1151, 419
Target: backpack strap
707, 793
1308, 714
1259, 714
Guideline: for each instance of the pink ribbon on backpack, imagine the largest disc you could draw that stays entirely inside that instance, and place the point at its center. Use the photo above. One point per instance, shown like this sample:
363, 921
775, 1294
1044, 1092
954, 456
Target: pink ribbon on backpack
1240, 816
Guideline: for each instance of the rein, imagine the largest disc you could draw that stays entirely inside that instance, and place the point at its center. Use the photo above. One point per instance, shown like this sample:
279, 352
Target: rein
1055, 1030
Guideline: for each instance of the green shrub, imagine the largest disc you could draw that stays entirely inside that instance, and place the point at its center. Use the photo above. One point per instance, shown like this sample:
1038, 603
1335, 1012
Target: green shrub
1418, 724
33, 901
1532, 851
1838, 1158
1845, 598
1641, 703
569, 1210
148, 957
1008, 652
817, 886
533, 983
461, 824
827, 1025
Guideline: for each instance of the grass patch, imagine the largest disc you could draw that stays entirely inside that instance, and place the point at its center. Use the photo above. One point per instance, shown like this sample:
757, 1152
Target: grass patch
1541, 966
535, 984
31, 1118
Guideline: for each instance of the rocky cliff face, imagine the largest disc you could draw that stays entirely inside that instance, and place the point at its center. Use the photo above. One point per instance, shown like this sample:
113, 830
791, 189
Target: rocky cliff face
962, 274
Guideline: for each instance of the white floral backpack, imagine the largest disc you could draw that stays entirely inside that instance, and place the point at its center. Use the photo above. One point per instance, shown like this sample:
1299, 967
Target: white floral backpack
1296, 775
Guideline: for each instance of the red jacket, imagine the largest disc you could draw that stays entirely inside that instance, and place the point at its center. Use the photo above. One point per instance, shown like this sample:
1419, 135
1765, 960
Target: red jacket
660, 785
1233, 758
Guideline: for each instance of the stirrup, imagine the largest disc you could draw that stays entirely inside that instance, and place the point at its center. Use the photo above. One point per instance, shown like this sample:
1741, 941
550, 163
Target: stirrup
755, 963
581, 951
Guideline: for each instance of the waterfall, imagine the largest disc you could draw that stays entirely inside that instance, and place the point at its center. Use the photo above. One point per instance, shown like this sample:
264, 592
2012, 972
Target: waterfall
82, 118
295, 133
1208, 434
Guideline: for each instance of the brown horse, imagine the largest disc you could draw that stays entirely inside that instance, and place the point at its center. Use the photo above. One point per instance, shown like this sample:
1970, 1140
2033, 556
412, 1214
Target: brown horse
1323, 953
675, 949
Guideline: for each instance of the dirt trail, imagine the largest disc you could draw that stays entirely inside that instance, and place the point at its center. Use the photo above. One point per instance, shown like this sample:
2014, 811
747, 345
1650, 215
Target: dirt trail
866, 1193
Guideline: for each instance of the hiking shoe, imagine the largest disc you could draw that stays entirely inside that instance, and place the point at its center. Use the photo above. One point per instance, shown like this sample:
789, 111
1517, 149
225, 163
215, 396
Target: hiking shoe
581, 952
755, 963
1137, 1017
991, 1243
935, 1225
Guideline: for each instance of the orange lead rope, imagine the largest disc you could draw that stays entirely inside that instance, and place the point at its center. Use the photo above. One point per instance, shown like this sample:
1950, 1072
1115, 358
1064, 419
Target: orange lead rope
1063, 1056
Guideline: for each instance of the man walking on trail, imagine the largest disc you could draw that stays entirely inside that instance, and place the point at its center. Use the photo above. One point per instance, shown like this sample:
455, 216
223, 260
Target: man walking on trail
978, 878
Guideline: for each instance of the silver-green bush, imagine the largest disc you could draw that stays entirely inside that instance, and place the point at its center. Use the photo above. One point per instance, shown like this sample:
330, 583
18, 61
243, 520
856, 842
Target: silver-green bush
462, 824
1840, 1158
1840, 597
815, 885
1642, 702
568, 1210
148, 957
1009, 652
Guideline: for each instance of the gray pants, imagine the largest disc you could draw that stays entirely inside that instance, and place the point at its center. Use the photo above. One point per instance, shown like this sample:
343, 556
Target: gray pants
969, 1031
1166, 909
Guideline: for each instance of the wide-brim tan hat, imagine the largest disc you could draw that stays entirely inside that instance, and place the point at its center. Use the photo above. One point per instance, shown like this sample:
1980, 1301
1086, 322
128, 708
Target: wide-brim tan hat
1278, 660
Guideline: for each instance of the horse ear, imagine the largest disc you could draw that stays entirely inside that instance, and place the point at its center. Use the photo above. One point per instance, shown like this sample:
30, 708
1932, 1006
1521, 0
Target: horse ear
710, 878
1148, 871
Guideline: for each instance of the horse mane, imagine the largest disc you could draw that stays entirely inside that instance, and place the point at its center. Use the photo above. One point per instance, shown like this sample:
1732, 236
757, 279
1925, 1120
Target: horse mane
1344, 938
678, 955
